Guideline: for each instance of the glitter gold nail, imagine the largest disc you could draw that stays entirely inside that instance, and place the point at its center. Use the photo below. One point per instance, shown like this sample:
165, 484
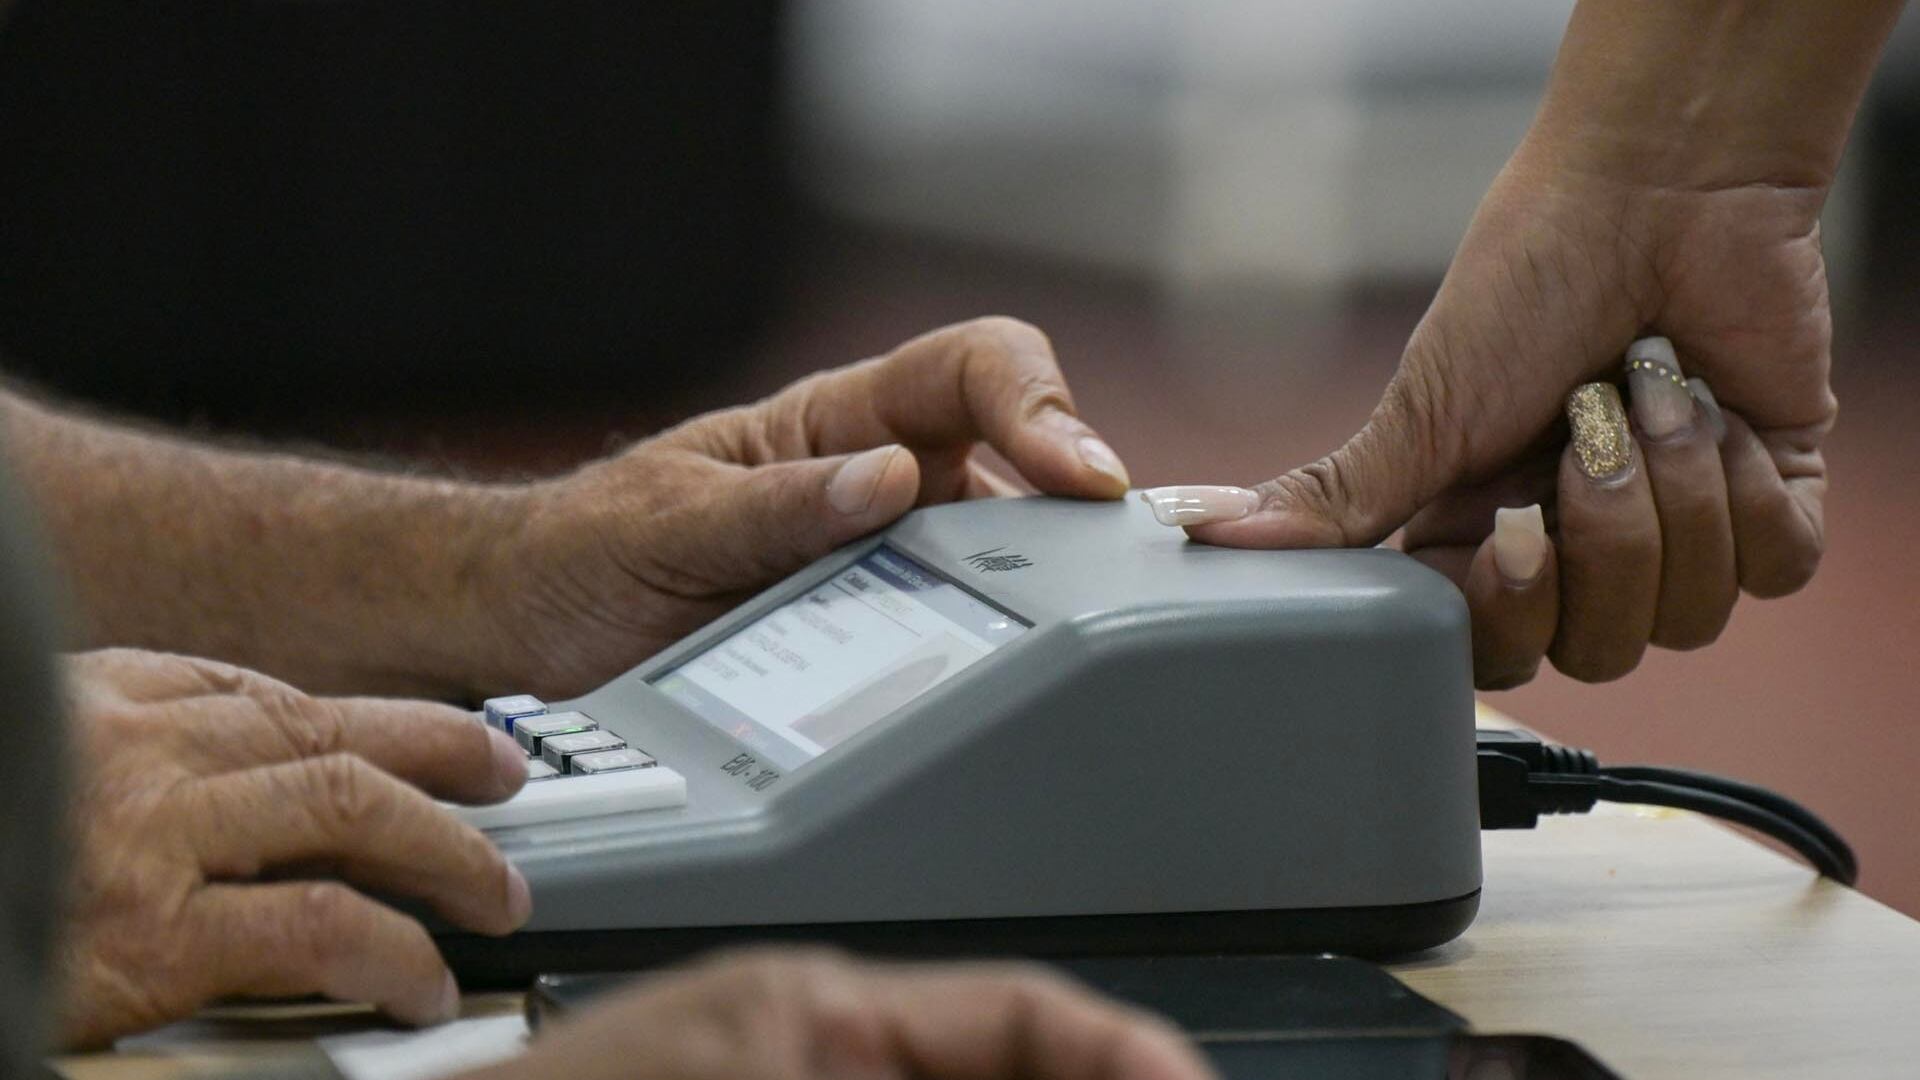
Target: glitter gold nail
1602, 443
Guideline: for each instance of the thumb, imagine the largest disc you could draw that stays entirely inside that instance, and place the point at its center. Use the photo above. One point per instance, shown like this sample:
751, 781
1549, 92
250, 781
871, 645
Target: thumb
762, 523
1360, 493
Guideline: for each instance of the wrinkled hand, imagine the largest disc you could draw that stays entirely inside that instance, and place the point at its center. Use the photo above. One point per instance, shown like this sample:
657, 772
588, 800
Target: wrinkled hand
629, 554
206, 796
784, 1015
1563, 266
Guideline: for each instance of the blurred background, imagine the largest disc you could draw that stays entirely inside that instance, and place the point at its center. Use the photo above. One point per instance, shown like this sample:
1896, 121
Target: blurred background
501, 238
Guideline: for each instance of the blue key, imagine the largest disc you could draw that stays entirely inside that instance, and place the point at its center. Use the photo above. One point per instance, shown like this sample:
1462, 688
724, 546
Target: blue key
503, 711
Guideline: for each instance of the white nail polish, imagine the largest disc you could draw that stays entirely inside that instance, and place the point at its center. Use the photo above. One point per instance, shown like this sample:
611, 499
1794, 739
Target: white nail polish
1099, 457
1200, 504
1519, 543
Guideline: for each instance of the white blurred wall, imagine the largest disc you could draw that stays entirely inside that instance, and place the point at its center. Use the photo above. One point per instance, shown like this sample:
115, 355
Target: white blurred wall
1209, 144
1205, 143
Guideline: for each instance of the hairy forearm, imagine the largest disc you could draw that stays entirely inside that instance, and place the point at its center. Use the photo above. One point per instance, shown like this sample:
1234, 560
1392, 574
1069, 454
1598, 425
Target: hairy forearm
334, 578
1713, 93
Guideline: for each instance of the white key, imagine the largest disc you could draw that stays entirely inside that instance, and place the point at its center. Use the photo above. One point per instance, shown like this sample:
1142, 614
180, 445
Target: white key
529, 730
610, 761
564, 798
501, 712
558, 750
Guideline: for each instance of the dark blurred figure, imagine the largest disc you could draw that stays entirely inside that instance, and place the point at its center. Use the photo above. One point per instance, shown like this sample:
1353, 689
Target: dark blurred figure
265, 212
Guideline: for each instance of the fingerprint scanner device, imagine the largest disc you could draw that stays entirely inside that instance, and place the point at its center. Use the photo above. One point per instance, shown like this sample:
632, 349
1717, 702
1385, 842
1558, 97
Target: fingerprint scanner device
1013, 726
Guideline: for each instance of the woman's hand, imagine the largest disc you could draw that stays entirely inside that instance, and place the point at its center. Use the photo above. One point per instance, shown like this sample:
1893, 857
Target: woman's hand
794, 1015
1672, 185
1653, 540
625, 556
1646, 550
205, 795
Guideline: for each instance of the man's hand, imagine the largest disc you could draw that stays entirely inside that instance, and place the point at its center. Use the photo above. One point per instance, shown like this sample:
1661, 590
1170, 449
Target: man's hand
613, 562
774, 1015
345, 580
207, 797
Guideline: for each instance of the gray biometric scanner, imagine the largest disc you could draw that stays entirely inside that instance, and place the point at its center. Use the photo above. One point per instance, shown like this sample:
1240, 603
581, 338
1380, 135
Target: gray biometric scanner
1028, 726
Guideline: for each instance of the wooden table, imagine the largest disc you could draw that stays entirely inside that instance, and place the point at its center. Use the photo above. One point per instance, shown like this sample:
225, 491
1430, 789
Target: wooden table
1670, 947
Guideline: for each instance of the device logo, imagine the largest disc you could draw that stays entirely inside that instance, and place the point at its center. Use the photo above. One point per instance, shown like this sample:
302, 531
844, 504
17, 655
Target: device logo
747, 769
997, 560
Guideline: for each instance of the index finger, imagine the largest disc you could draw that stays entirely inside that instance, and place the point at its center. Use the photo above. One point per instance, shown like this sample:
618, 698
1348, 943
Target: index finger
441, 749
1001, 1022
993, 379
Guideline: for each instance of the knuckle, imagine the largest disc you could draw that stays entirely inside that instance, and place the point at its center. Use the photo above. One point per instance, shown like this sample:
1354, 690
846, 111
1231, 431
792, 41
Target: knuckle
996, 356
1419, 408
1685, 640
781, 976
1039, 393
1315, 488
1015, 335
1783, 573
346, 790
1312, 485
105, 722
1508, 678
774, 977
331, 922
1597, 666
215, 677
1027, 998
843, 1027
1691, 634
311, 727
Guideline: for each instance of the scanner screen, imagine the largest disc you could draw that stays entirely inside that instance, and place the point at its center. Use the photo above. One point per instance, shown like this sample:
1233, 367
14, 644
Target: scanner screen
801, 679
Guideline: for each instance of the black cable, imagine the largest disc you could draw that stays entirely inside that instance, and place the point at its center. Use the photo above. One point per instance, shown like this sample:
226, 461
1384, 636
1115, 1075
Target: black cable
1650, 793
1748, 793
1522, 777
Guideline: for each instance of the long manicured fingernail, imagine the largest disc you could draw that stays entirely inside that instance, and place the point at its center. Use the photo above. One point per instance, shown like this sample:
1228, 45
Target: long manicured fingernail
1099, 457
851, 489
1709, 408
509, 761
1602, 442
1519, 543
519, 896
1200, 504
1660, 399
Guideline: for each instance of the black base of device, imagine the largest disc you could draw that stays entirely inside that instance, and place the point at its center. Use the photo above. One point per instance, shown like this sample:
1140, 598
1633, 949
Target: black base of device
1371, 932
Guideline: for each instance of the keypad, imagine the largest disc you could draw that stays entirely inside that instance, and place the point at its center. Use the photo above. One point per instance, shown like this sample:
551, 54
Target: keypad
558, 750
575, 769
